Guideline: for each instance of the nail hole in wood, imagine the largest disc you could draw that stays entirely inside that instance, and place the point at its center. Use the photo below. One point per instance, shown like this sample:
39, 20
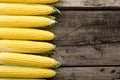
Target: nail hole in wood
113, 71
102, 70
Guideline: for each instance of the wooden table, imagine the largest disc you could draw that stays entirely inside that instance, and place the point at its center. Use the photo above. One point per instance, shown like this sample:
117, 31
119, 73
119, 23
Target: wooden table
88, 36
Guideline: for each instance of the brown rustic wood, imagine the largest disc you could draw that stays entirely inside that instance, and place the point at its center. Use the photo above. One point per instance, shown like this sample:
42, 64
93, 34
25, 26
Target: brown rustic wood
88, 3
88, 73
87, 27
88, 38
95, 55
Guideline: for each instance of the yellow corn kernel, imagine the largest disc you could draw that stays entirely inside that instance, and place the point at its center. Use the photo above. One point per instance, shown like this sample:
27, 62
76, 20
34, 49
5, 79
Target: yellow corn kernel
19, 79
25, 9
25, 46
27, 60
25, 34
25, 72
30, 1
25, 21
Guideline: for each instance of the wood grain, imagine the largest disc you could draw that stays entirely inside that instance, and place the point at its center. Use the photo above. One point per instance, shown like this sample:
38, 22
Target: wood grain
87, 27
88, 3
88, 38
88, 73
95, 55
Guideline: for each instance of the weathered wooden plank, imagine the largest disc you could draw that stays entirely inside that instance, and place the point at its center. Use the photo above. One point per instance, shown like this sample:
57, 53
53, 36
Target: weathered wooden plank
87, 27
88, 73
88, 3
95, 55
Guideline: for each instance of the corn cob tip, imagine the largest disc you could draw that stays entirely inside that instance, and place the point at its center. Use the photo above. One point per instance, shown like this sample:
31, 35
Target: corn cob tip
53, 36
54, 47
55, 73
53, 50
55, 10
49, 52
51, 17
53, 21
57, 65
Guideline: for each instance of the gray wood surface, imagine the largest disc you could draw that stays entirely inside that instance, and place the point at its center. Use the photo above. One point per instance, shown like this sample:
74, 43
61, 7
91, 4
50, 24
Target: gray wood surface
87, 27
95, 55
88, 3
88, 73
88, 41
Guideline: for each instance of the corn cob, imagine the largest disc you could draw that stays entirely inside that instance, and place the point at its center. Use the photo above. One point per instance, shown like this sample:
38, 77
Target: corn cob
25, 21
27, 60
25, 46
26, 9
25, 72
25, 34
30, 1
19, 79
